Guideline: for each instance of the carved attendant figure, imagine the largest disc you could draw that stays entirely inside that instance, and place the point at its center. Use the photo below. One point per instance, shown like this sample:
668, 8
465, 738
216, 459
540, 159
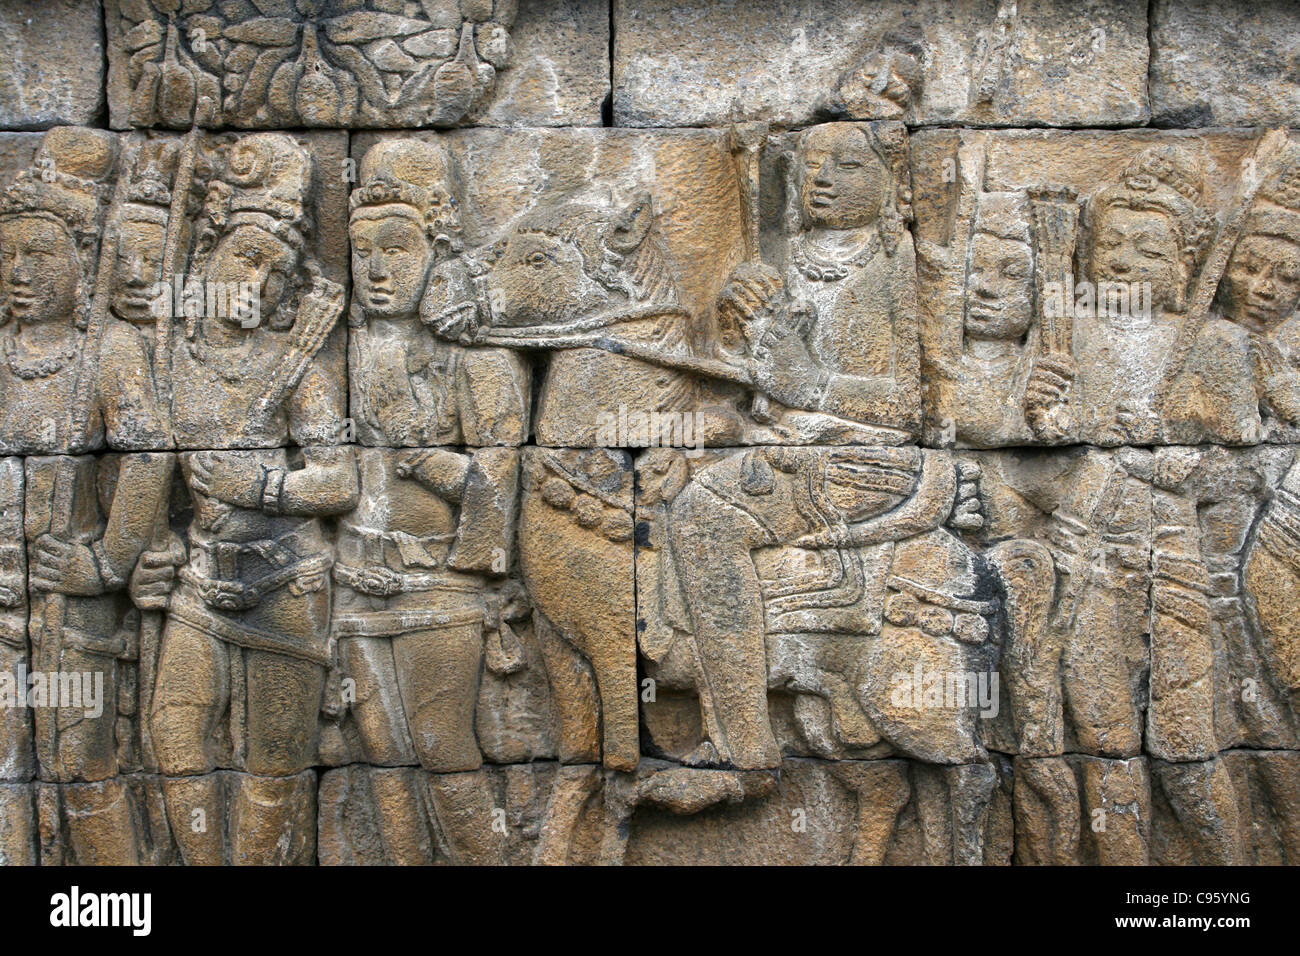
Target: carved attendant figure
87, 520
432, 536
848, 352
247, 641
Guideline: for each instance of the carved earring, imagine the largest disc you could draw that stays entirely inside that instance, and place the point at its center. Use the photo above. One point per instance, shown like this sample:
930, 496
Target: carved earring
789, 165
83, 306
1186, 269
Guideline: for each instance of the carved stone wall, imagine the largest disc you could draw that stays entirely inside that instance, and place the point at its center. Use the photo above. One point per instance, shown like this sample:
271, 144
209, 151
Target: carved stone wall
569, 432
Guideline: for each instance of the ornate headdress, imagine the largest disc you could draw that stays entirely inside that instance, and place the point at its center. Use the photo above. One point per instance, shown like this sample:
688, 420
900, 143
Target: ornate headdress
265, 181
66, 182
415, 179
1165, 179
149, 195
1005, 214
1276, 209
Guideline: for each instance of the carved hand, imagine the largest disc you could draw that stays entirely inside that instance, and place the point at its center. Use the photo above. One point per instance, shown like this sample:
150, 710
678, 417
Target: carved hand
967, 510
752, 300
1049, 384
319, 309
441, 471
155, 575
783, 368
458, 322
1280, 381
66, 568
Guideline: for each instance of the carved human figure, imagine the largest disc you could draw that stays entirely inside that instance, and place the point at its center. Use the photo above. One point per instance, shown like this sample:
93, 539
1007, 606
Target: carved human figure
144, 221
1121, 662
58, 392
1270, 578
423, 558
825, 574
982, 351
834, 340
247, 643
1260, 290
86, 520
763, 512
413, 389
1138, 380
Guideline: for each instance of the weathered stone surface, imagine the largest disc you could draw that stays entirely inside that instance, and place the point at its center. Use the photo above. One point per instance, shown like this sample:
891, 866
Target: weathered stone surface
17, 150
1236, 809
1108, 288
629, 266
87, 521
272, 230
17, 758
356, 64
1003, 64
889, 811
243, 325
54, 71
144, 820
1160, 627
886, 811
559, 67
851, 480
18, 834
826, 576
1224, 64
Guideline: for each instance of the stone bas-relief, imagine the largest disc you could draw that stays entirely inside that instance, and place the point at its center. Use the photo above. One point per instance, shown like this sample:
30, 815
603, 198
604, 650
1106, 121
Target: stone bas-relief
343, 63
984, 62
1112, 618
166, 291
56, 74
1108, 288
640, 285
323, 64
817, 469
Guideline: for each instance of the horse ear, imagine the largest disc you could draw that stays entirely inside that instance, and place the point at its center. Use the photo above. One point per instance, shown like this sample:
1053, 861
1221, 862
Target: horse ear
632, 224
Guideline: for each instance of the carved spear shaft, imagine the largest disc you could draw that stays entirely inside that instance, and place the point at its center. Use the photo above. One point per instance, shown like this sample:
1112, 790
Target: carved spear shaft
88, 367
1055, 213
162, 353
151, 622
1269, 162
746, 147
55, 605
54, 609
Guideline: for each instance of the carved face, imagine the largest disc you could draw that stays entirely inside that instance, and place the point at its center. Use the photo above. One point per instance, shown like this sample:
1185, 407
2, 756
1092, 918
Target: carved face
138, 270
841, 181
251, 255
390, 260
540, 279
39, 269
1261, 285
1132, 245
999, 302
